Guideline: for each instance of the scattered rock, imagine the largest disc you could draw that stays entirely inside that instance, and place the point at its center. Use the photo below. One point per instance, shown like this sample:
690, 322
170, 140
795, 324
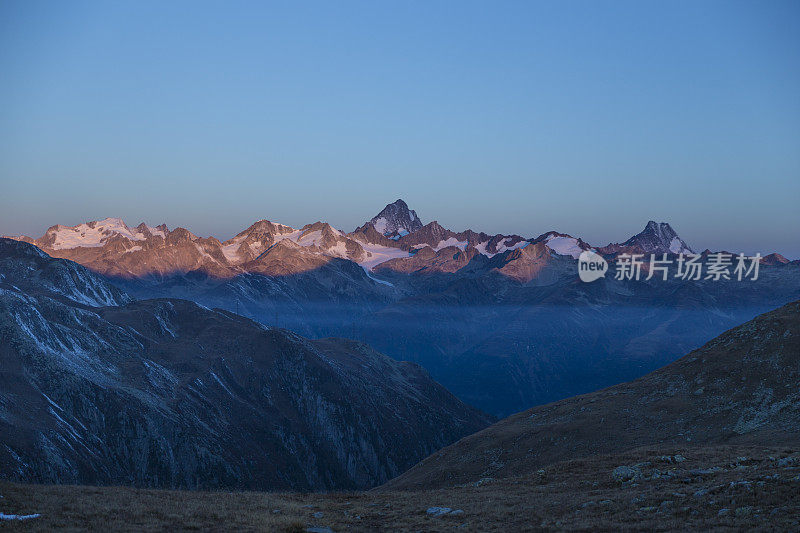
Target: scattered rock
723, 512
658, 474
672, 458
744, 511
622, 474
705, 471
318, 514
438, 511
323, 529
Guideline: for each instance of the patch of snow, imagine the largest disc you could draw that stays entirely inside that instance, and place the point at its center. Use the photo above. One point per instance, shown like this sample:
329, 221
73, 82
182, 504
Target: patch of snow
377, 254
74, 434
380, 225
164, 327
216, 378
293, 236
313, 238
373, 278
564, 246
4, 516
338, 250
51, 402
230, 251
503, 245
452, 241
675, 246
84, 235
156, 232
481, 247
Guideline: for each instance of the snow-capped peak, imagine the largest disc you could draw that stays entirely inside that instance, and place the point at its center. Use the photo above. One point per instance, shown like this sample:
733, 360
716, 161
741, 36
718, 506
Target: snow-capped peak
94, 234
563, 245
396, 220
658, 238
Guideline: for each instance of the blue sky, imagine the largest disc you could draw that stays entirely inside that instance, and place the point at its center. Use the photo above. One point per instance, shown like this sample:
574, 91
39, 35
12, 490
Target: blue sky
586, 117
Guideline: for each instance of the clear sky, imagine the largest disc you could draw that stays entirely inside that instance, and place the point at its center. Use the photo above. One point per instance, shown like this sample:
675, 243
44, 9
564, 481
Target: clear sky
586, 117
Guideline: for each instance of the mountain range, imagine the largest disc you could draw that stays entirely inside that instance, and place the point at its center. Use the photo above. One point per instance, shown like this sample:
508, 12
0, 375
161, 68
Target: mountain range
395, 240
501, 320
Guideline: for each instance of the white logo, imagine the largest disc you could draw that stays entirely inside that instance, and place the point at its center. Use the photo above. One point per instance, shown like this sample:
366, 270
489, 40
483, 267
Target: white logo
591, 266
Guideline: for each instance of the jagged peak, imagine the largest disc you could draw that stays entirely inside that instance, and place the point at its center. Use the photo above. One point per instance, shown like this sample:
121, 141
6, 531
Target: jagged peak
265, 226
396, 219
658, 237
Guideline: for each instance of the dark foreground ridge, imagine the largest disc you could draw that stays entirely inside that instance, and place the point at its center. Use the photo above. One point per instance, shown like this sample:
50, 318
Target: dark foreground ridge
709, 442
167, 393
740, 488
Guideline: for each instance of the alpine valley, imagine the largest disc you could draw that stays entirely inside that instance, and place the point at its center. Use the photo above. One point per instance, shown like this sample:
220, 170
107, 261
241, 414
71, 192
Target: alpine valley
502, 321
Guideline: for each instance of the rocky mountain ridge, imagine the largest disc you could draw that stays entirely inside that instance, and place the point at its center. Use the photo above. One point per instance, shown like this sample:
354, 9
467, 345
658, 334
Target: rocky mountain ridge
394, 237
98, 389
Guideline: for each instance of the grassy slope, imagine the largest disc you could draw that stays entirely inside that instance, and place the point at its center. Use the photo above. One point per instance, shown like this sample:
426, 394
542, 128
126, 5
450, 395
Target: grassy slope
742, 387
578, 494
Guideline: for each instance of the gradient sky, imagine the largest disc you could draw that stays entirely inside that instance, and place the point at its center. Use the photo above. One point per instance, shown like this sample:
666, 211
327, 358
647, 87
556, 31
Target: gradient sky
519, 117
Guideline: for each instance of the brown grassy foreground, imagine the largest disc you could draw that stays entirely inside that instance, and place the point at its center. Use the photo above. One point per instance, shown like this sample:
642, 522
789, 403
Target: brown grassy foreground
759, 487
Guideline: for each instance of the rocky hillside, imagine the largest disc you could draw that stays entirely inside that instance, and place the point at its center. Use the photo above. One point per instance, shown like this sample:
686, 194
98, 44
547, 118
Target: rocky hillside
743, 387
167, 393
